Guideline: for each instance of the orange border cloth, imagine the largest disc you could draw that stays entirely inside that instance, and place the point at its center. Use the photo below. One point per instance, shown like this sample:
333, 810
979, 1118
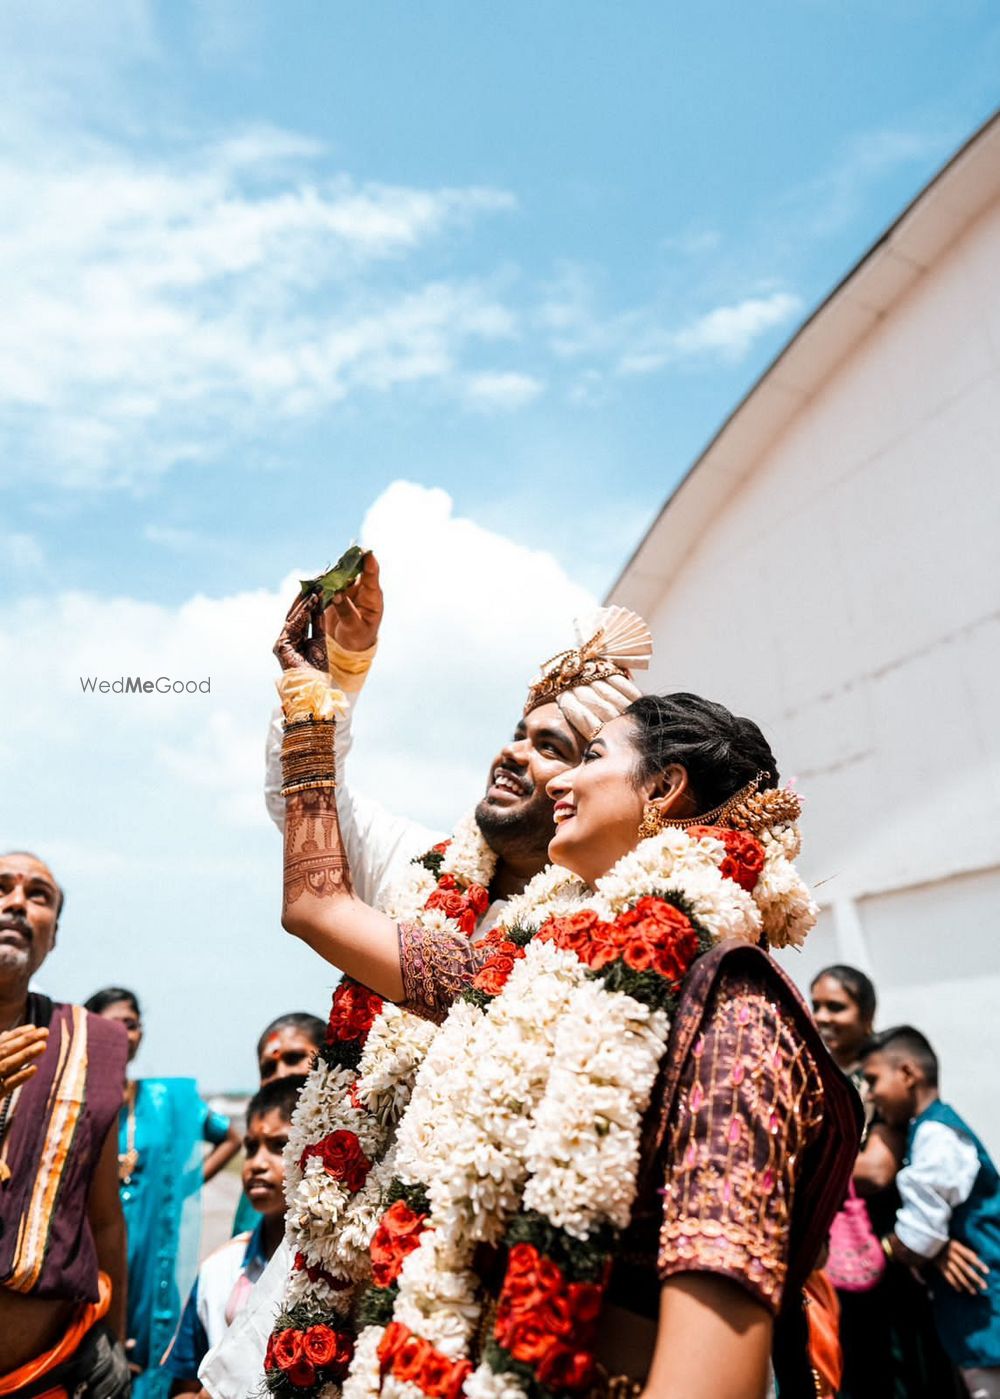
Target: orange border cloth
89, 1314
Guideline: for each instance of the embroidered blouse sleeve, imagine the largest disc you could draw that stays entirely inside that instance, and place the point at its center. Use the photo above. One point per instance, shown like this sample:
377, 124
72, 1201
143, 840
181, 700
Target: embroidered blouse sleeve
750, 1102
437, 968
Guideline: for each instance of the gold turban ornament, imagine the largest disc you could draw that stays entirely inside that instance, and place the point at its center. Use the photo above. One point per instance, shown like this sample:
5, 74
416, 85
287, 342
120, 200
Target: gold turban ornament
592, 682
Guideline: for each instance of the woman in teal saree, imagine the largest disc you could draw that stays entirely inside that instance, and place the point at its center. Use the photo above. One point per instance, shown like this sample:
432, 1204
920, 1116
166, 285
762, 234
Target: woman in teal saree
163, 1124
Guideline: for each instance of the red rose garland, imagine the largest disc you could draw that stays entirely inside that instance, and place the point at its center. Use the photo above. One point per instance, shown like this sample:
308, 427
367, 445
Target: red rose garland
306, 1354
342, 1158
295, 1352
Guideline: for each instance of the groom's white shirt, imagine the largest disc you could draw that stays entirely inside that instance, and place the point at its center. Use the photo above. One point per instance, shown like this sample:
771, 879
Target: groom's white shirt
379, 847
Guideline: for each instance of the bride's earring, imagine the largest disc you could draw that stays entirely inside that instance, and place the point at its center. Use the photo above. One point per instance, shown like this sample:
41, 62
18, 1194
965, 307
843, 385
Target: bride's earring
653, 820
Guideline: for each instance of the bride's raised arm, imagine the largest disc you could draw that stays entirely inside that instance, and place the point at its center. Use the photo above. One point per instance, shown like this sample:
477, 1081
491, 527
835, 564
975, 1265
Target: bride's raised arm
319, 904
421, 969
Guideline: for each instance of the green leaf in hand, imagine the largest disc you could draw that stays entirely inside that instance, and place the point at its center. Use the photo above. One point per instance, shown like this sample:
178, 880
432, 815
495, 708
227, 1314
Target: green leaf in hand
338, 578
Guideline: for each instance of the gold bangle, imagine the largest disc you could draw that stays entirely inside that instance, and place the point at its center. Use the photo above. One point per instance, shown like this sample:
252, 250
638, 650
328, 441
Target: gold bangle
329, 784
887, 1249
307, 754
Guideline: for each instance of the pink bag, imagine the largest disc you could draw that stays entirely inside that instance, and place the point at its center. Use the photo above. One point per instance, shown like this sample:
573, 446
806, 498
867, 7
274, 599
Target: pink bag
856, 1261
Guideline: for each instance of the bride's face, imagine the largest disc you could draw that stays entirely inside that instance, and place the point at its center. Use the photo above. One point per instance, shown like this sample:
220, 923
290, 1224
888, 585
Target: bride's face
598, 805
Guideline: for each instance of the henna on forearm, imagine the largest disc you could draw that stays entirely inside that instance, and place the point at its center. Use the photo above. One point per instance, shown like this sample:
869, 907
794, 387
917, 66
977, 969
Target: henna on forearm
315, 861
320, 905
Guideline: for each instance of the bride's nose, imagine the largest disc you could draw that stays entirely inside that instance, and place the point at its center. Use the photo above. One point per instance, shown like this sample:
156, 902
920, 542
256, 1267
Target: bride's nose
559, 785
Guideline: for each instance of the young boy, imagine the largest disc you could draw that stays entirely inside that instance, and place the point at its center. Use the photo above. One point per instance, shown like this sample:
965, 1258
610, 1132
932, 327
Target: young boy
226, 1278
950, 1211
287, 1048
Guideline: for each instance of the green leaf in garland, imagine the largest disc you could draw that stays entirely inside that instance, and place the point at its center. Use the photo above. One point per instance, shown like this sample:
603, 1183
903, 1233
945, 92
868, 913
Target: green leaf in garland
433, 861
375, 1306
414, 1196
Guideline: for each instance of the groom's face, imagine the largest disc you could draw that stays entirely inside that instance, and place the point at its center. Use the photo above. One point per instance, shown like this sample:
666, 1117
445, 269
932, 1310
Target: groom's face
515, 815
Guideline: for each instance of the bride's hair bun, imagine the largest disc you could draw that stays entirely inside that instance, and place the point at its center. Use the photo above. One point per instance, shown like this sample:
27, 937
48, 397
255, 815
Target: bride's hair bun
720, 751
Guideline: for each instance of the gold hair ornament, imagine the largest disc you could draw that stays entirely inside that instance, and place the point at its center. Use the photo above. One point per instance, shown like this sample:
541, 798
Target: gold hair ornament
749, 810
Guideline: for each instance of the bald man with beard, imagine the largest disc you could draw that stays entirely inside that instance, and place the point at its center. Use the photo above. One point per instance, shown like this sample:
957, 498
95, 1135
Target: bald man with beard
62, 1235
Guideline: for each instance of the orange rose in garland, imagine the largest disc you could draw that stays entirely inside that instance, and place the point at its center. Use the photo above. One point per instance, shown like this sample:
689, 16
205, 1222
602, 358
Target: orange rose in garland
658, 937
465, 907
545, 1322
409, 1357
745, 856
577, 932
396, 1236
492, 977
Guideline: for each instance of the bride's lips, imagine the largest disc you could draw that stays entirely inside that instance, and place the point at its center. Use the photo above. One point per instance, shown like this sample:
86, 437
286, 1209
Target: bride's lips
562, 812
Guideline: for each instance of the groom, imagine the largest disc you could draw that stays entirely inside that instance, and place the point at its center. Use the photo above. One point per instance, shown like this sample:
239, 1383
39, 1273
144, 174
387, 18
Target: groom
514, 815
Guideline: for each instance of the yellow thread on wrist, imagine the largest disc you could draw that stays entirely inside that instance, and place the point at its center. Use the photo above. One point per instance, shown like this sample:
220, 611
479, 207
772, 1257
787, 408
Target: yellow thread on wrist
351, 662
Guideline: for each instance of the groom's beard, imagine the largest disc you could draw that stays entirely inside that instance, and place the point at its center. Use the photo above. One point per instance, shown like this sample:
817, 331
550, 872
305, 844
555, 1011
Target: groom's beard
521, 831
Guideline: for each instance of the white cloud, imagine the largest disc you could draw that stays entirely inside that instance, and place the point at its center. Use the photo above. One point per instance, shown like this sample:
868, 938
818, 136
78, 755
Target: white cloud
725, 332
825, 205
731, 330
469, 616
151, 303
502, 391
642, 340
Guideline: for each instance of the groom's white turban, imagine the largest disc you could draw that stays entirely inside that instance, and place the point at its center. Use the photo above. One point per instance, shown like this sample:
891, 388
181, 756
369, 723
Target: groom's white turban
592, 682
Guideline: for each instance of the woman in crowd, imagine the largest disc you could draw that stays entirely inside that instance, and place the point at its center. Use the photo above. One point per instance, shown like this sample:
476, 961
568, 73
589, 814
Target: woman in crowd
288, 1046
163, 1126
887, 1332
647, 1202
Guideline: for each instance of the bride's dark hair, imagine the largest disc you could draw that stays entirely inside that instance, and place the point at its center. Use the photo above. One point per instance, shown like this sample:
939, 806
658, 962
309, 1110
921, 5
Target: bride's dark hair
720, 751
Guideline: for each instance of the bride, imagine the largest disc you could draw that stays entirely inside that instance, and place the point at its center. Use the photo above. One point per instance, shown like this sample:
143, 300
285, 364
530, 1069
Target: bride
627, 1142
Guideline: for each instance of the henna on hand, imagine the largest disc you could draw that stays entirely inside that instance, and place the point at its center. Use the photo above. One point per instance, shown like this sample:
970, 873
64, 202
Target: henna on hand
302, 640
315, 861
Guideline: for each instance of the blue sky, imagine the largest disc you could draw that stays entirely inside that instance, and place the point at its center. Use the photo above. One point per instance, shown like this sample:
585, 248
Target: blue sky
262, 262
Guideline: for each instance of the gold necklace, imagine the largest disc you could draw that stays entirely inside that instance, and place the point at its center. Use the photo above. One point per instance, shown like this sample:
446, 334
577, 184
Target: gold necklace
128, 1160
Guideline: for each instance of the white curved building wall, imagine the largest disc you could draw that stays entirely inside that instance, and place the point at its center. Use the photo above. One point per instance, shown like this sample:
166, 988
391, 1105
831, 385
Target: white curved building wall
846, 593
